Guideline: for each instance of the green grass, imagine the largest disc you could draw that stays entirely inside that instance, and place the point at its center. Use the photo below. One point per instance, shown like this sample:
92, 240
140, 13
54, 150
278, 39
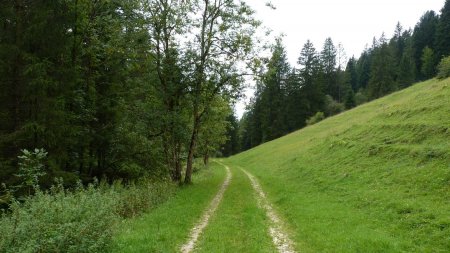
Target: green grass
239, 225
373, 179
167, 227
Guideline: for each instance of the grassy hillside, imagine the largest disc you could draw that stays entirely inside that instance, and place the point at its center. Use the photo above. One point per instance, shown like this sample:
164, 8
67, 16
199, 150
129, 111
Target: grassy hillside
373, 179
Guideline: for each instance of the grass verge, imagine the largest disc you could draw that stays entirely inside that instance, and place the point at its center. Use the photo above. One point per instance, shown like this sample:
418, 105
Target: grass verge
167, 227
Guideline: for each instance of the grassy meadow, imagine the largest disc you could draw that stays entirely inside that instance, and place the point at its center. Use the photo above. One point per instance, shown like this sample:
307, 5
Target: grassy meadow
372, 179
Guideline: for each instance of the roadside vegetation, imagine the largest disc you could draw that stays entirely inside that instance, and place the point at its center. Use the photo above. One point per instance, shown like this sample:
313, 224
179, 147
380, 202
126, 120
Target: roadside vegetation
83, 219
168, 226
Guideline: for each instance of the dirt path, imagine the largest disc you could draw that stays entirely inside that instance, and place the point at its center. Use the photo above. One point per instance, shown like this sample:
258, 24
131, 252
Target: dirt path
279, 236
203, 222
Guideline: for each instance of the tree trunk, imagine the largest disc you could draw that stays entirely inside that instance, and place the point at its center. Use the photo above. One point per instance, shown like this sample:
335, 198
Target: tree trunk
17, 67
190, 161
206, 158
172, 151
178, 163
176, 168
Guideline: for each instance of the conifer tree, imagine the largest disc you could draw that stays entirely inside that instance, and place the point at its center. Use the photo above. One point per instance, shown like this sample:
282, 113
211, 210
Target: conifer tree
351, 75
328, 61
428, 67
424, 36
310, 77
363, 67
382, 71
272, 97
443, 32
407, 66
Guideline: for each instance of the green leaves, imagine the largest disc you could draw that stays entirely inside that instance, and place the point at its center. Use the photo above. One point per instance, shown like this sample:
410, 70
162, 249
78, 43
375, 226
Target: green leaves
31, 168
444, 68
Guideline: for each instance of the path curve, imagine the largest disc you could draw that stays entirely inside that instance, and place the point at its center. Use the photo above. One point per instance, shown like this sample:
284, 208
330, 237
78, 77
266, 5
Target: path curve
279, 236
203, 222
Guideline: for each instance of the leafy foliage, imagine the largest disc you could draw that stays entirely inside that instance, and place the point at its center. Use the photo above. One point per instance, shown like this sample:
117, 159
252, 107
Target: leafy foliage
319, 116
427, 62
109, 90
444, 68
82, 220
31, 168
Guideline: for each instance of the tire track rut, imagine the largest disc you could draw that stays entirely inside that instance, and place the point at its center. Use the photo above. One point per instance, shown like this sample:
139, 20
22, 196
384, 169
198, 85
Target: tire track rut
276, 230
203, 222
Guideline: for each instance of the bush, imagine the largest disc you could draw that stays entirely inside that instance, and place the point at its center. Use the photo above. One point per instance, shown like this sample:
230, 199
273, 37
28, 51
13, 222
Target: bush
316, 118
143, 196
82, 220
444, 68
360, 98
332, 107
60, 221
31, 168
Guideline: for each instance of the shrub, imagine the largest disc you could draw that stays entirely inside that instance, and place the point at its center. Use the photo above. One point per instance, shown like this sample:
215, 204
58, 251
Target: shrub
136, 198
316, 118
82, 220
360, 98
79, 221
332, 107
31, 168
444, 68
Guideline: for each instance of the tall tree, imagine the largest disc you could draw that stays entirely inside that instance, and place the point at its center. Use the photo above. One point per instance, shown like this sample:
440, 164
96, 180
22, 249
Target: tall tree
351, 74
382, 74
407, 66
212, 135
442, 41
363, 67
342, 86
310, 77
272, 96
424, 35
222, 36
166, 21
328, 61
428, 66
232, 144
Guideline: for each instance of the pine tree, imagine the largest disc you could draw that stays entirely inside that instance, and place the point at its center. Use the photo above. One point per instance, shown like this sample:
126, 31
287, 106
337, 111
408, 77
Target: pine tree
296, 103
328, 61
350, 100
424, 35
363, 67
442, 41
272, 97
428, 66
310, 78
382, 71
351, 74
231, 146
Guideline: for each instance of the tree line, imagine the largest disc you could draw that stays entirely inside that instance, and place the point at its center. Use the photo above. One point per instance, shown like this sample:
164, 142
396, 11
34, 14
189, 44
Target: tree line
119, 89
129, 88
324, 83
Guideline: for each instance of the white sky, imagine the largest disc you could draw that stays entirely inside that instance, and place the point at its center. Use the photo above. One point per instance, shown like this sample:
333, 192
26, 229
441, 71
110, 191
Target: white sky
351, 22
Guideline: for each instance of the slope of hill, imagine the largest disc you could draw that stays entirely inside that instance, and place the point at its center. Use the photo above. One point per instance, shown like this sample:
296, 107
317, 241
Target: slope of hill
373, 179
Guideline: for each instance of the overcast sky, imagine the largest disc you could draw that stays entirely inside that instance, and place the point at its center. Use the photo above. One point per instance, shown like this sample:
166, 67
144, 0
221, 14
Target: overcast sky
351, 22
